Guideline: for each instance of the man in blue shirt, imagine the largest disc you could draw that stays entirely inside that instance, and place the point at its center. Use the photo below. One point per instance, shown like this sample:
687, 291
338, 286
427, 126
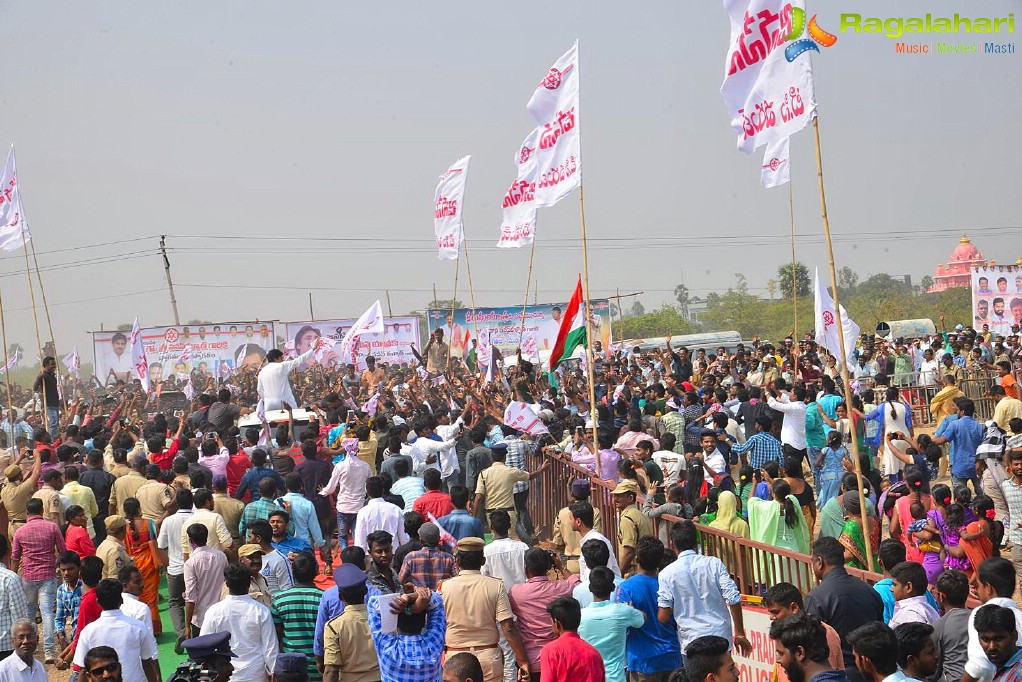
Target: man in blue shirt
460, 523
652, 649
965, 435
282, 542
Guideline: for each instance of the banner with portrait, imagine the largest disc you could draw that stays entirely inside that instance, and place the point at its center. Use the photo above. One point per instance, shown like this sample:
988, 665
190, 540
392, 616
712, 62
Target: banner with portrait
505, 324
997, 298
394, 346
212, 349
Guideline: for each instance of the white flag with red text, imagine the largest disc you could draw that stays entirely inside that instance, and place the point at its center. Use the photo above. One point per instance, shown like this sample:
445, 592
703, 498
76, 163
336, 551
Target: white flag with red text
518, 227
484, 353
826, 324
776, 164
520, 416
768, 75
371, 322
13, 361
448, 207
13, 223
139, 362
530, 350
555, 108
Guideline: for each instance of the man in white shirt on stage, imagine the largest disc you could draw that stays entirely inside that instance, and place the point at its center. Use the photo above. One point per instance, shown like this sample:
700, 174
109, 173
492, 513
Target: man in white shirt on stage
273, 384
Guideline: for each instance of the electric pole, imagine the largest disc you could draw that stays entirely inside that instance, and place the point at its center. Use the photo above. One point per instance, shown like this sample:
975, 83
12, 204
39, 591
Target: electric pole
170, 282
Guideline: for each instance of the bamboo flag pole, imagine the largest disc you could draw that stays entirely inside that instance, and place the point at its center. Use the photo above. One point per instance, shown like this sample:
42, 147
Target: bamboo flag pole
794, 288
7, 371
589, 332
49, 322
528, 280
35, 319
472, 296
841, 340
454, 296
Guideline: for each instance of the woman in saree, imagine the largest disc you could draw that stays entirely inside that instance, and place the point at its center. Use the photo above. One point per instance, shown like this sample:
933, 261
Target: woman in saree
854, 537
981, 536
778, 522
140, 542
728, 519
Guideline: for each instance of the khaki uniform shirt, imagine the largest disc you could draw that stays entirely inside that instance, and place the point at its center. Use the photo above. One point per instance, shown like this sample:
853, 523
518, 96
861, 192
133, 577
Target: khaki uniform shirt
53, 509
153, 497
124, 487
231, 509
119, 470
113, 555
344, 646
15, 496
632, 525
475, 604
497, 483
436, 357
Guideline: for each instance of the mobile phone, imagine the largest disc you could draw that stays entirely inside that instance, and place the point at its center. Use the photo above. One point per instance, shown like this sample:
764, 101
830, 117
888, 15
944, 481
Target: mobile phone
579, 430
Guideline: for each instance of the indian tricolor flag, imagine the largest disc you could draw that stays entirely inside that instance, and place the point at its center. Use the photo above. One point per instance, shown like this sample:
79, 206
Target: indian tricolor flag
572, 333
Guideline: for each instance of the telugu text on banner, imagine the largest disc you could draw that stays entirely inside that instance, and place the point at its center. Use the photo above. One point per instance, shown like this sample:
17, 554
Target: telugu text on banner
13, 224
555, 108
448, 207
518, 227
767, 96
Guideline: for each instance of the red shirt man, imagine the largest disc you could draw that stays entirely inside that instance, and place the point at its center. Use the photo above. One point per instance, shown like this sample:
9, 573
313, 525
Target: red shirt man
433, 502
568, 658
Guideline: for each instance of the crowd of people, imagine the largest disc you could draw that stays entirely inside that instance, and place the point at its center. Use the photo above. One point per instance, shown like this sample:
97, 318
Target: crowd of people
382, 529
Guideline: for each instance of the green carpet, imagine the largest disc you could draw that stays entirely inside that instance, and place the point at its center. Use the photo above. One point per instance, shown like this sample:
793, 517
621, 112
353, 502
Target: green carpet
165, 642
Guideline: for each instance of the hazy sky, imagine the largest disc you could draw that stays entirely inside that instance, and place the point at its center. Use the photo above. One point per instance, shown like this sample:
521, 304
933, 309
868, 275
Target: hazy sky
230, 120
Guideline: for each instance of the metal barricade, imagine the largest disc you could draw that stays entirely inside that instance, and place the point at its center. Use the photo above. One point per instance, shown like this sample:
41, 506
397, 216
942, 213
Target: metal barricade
753, 565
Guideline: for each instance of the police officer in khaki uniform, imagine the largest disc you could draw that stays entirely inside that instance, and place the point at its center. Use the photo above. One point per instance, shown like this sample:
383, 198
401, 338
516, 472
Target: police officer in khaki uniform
478, 611
632, 525
566, 540
496, 485
111, 551
16, 493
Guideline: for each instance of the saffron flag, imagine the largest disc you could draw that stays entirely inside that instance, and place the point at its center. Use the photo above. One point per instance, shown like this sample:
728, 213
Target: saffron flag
371, 322
518, 227
768, 75
826, 324
776, 164
139, 362
448, 207
555, 108
13, 223
572, 333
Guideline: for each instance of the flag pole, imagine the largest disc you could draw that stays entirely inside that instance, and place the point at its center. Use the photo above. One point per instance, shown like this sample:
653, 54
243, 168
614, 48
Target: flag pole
35, 319
472, 295
7, 370
457, 270
528, 280
794, 288
841, 340
589, 332
49, 323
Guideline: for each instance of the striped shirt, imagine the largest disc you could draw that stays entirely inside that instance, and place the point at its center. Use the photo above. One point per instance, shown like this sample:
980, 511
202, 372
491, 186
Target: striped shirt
13, 605
516, 451
295, 610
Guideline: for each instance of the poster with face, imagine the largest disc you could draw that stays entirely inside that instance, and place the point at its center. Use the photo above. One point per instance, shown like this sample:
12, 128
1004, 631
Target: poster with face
505, 325
997, 298
175, 351
393, 347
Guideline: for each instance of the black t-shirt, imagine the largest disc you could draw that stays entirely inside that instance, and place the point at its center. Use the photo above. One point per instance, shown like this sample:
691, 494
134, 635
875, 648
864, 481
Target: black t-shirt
656, 476
47, 383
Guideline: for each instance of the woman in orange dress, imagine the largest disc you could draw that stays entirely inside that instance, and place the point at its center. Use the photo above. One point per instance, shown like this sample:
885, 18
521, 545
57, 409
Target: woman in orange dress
141, 545
982, 535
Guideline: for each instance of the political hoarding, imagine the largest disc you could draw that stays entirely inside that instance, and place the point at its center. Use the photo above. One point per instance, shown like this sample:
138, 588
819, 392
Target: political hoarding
394, 346
216, 349
997, 297
505, 324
